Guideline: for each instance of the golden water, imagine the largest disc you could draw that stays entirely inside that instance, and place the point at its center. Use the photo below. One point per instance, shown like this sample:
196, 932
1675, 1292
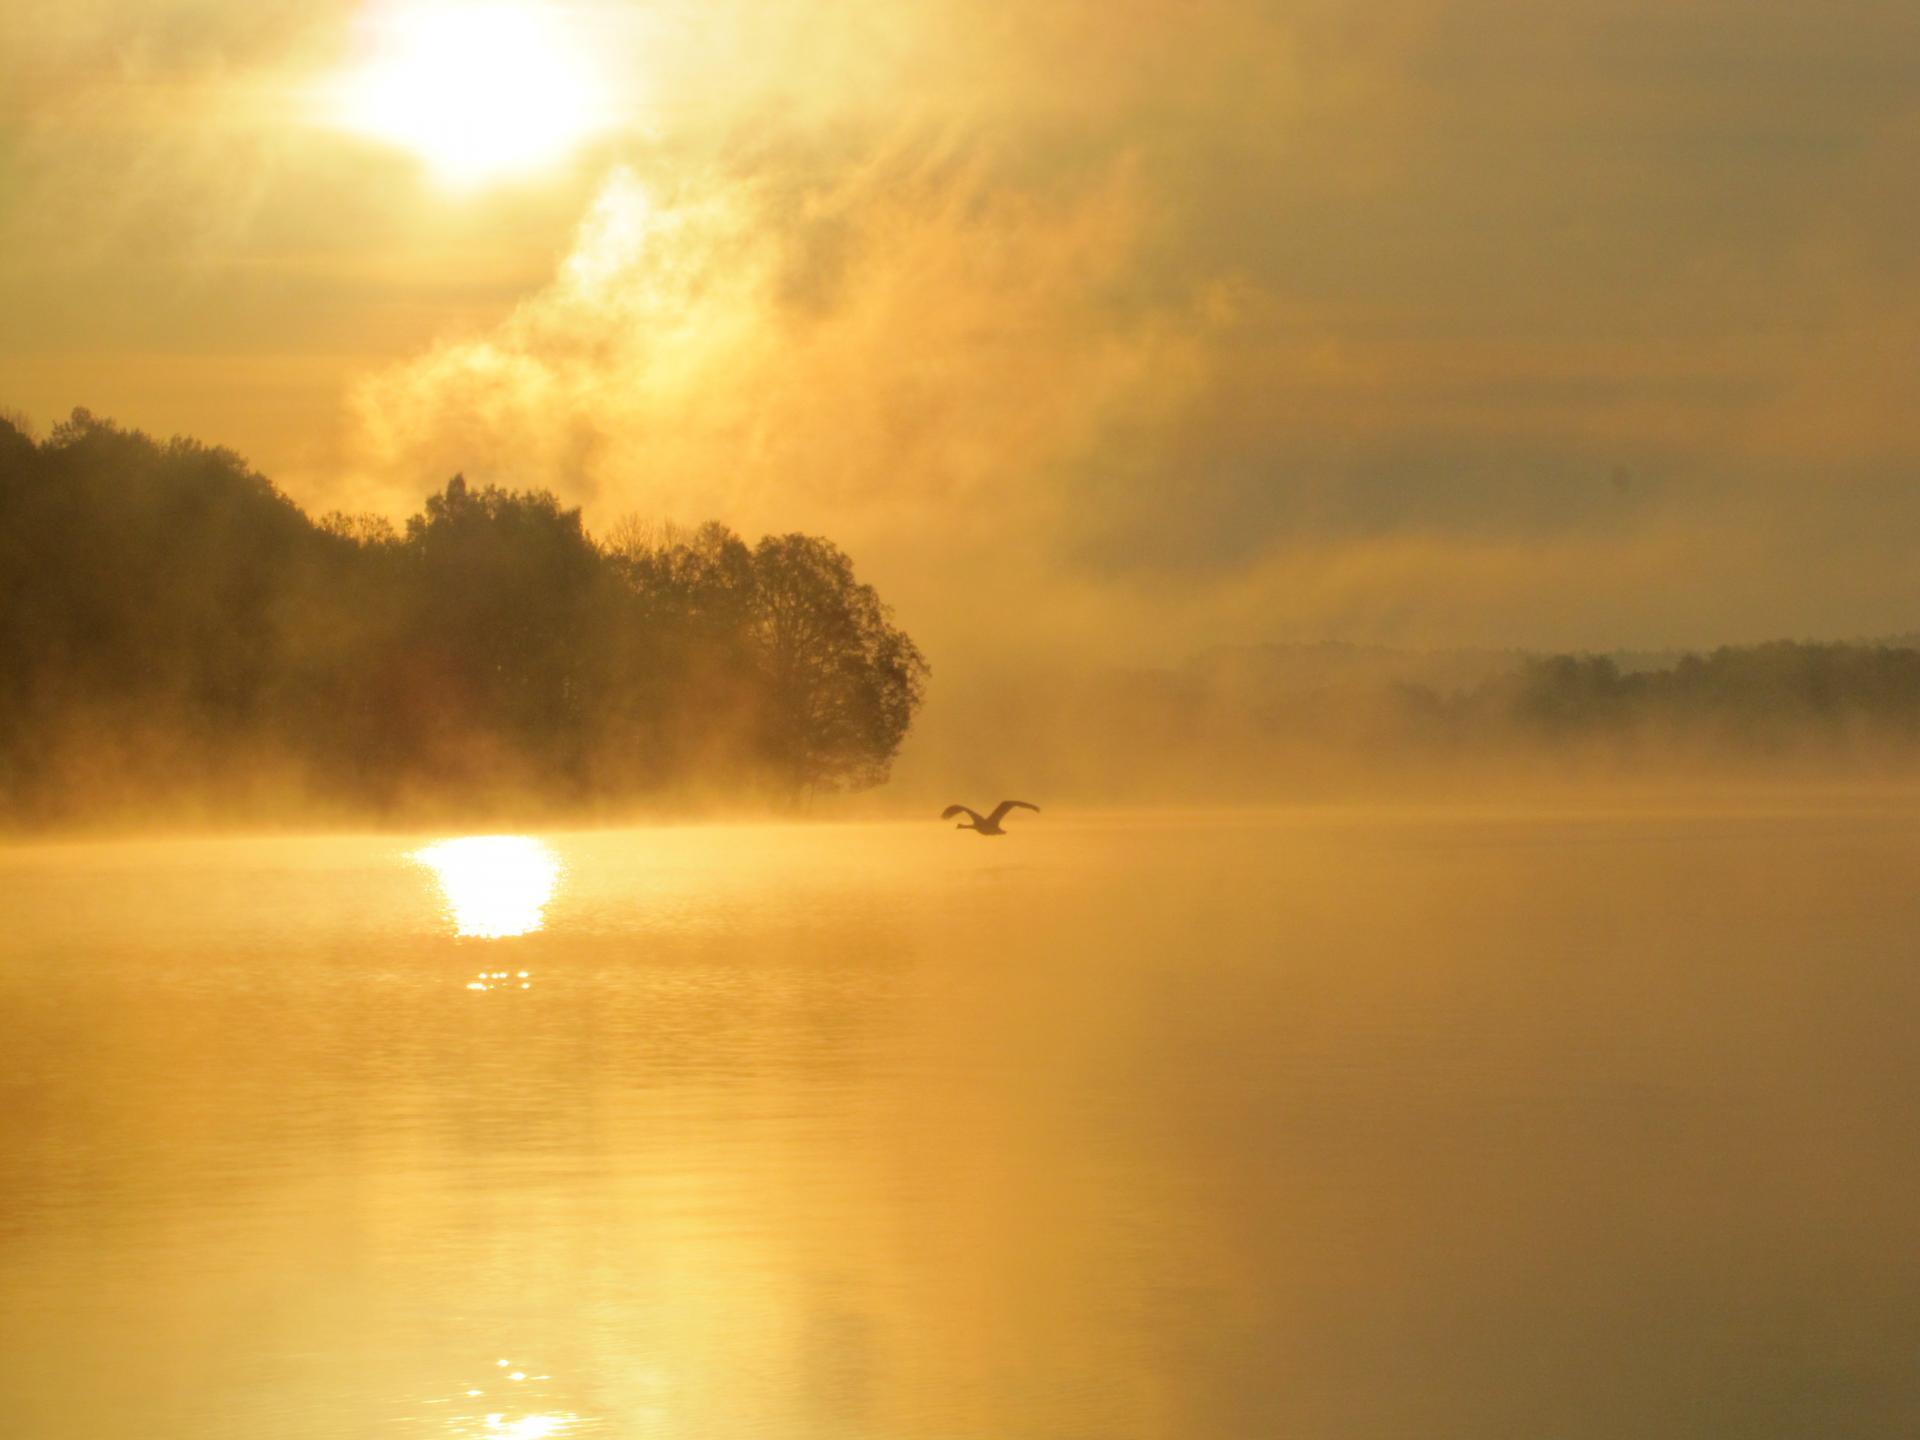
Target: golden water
1328, 1126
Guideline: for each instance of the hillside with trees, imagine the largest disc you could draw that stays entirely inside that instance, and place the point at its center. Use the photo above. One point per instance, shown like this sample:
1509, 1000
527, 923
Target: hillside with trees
176, 634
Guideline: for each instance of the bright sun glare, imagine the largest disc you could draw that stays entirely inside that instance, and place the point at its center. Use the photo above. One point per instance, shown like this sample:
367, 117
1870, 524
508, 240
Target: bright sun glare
495, 885
478, 89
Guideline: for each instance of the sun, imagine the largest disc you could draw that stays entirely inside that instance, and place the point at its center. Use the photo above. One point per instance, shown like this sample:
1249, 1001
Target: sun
479, 90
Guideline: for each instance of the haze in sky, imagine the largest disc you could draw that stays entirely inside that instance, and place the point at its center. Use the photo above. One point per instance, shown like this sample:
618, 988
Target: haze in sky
1124, 329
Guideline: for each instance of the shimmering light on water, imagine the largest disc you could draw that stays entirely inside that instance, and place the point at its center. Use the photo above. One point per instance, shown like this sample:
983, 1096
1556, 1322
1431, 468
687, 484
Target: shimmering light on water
496, 886
528, 1427
532, 1415
500, 980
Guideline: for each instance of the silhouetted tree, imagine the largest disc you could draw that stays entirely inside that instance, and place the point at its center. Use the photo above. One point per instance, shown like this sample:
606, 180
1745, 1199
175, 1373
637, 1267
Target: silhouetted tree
171, 624
798, 663
504, 599
842, 680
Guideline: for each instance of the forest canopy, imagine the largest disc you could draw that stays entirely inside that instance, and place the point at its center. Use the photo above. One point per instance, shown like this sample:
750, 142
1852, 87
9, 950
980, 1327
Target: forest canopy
174, 631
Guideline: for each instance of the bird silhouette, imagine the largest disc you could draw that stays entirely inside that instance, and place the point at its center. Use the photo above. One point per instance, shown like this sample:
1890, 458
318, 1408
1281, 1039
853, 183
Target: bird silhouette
986, 824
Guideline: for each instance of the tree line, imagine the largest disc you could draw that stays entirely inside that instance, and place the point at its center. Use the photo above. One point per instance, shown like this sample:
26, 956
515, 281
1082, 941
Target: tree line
1743, 705
174, 629
1754, 699
1282, 723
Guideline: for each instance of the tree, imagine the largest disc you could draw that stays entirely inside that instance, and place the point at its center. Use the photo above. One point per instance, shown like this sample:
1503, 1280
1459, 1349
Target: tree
172, 627
504, 615
842, 681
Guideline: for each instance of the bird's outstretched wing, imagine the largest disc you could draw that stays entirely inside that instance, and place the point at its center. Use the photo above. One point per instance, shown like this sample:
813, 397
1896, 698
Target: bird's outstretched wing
1000, 810
953, 810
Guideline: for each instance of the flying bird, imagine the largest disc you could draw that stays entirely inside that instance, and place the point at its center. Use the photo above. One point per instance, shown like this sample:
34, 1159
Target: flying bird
986, 824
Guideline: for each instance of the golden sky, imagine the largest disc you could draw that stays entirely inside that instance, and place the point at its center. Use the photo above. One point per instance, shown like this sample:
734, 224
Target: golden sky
1129, 327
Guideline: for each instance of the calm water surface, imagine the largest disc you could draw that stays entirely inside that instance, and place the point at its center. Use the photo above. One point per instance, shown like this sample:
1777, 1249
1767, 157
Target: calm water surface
1331, 1127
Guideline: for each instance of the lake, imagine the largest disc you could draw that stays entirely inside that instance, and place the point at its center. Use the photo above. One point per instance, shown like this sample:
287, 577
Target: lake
1333, 1125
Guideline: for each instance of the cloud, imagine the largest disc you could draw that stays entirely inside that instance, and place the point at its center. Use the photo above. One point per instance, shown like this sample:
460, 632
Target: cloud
1111, 328
901, 352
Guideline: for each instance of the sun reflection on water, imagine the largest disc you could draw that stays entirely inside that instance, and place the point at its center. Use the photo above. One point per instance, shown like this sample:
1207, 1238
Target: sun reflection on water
496, 886
528, 1427
504, 1408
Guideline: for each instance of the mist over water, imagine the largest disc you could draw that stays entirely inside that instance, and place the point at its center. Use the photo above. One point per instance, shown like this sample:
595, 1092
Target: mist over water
1356, 1123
